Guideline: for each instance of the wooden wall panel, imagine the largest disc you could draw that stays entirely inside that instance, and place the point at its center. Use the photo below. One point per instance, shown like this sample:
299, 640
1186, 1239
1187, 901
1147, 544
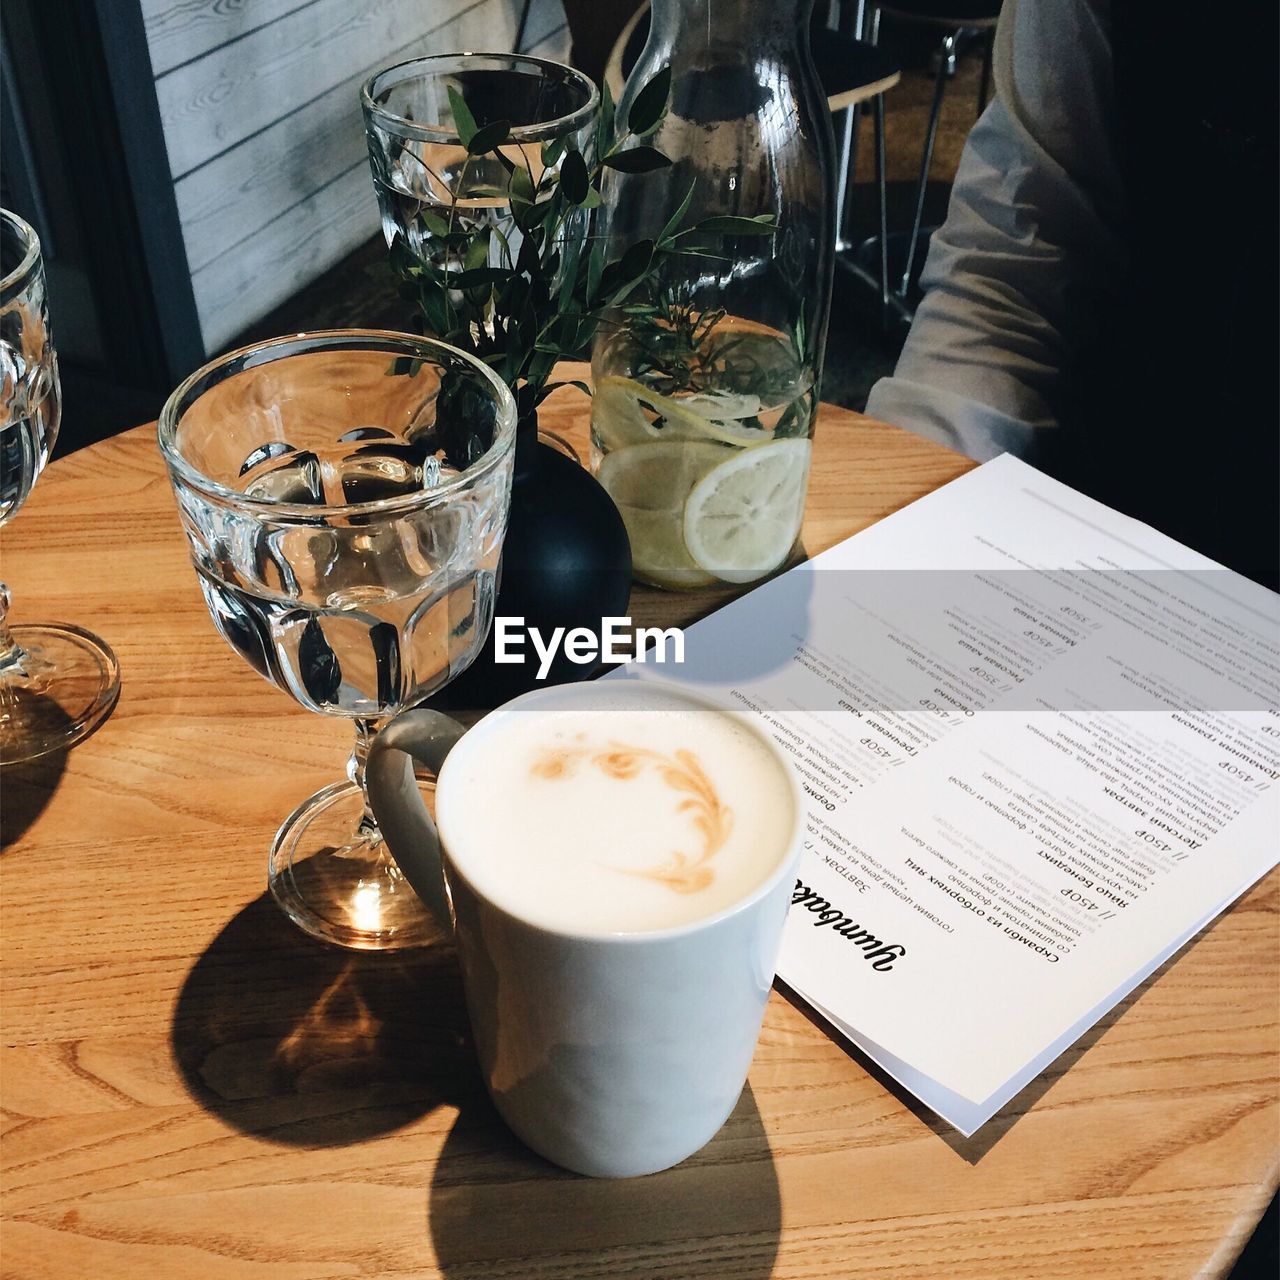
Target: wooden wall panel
294, 240
180, 30
546, 35
241, 191
260, 105
554, 45
287, 253
235, 91
229, 200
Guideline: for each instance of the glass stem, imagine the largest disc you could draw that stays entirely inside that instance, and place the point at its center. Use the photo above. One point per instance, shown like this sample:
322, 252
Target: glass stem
365, 729
10, 651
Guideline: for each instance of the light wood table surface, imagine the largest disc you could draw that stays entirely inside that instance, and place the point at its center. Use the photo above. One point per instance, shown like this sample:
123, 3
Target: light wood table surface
191, 1088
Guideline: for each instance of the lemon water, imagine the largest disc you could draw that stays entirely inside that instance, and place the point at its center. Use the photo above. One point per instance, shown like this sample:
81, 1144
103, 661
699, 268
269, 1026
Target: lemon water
359, 618
430, 178
710, 479
25, 443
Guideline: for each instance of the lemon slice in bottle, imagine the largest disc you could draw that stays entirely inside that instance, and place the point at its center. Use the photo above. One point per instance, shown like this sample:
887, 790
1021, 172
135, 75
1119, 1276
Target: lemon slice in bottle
742, 517
650, 484
625, 412
721, 415
722, 405
617, 419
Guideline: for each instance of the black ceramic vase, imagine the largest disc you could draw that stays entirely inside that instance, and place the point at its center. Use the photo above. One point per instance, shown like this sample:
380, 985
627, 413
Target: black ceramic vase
566, 562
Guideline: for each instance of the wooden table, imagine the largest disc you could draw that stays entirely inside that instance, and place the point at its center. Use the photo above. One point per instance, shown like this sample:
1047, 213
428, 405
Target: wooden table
191, 1088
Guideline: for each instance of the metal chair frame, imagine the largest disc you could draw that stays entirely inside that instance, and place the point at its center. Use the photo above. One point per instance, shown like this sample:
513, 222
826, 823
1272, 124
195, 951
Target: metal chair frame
849, 145
946, 56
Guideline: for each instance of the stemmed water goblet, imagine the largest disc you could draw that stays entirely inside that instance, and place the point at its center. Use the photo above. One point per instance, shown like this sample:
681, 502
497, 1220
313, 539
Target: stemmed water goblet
345, 497
57, 682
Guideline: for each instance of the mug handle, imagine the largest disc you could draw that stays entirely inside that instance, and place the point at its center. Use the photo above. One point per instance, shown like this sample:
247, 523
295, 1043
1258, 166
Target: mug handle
427, 737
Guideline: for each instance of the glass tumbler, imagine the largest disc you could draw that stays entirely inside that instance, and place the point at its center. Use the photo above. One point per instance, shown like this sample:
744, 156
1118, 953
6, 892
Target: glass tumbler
440, 200
345, 498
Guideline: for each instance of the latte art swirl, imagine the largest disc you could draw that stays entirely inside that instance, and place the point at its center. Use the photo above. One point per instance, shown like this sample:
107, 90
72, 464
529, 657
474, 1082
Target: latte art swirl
681, 771
643, 812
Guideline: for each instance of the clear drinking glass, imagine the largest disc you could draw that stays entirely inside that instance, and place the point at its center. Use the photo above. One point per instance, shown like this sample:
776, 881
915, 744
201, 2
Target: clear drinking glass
345, 496
57, 682
428, 187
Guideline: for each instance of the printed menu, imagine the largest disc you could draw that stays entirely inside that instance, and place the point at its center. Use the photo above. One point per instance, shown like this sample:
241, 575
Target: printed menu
1040, 744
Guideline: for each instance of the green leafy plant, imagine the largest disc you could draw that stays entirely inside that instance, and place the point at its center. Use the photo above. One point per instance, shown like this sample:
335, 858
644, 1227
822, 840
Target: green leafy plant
675, 345
524, 302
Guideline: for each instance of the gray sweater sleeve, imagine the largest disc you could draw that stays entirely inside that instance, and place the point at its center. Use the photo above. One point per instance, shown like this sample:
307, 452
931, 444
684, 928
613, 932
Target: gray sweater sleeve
1014, 277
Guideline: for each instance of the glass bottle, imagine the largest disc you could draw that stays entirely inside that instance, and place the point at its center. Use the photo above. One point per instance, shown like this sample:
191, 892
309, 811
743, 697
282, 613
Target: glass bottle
706, 380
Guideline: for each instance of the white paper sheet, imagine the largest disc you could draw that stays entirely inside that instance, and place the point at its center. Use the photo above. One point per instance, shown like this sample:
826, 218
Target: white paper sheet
1041, 744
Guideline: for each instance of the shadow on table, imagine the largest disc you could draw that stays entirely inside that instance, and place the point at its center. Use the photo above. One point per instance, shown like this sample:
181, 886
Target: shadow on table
973, 1149
722, 657
27, 790
311, 1046
495, 1208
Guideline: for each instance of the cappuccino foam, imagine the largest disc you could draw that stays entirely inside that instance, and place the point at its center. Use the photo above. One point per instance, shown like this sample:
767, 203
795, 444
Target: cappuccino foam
630, 810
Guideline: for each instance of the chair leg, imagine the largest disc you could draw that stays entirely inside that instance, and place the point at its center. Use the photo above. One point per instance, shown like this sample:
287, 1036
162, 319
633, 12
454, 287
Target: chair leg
844, 183
849, 139
984, 85
926, 160
884, 213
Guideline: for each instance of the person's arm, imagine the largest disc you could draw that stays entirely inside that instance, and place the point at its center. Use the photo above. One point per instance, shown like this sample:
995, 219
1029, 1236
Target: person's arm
1015, 277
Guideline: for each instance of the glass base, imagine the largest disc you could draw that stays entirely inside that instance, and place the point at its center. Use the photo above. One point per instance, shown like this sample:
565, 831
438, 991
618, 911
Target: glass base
334, 878
58, 689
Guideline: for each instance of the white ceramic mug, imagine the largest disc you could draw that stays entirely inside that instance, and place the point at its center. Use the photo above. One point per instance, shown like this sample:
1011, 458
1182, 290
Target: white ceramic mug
610, 1054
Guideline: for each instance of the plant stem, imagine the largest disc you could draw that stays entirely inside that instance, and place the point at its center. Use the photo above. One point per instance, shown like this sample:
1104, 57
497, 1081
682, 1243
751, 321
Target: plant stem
453, 211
